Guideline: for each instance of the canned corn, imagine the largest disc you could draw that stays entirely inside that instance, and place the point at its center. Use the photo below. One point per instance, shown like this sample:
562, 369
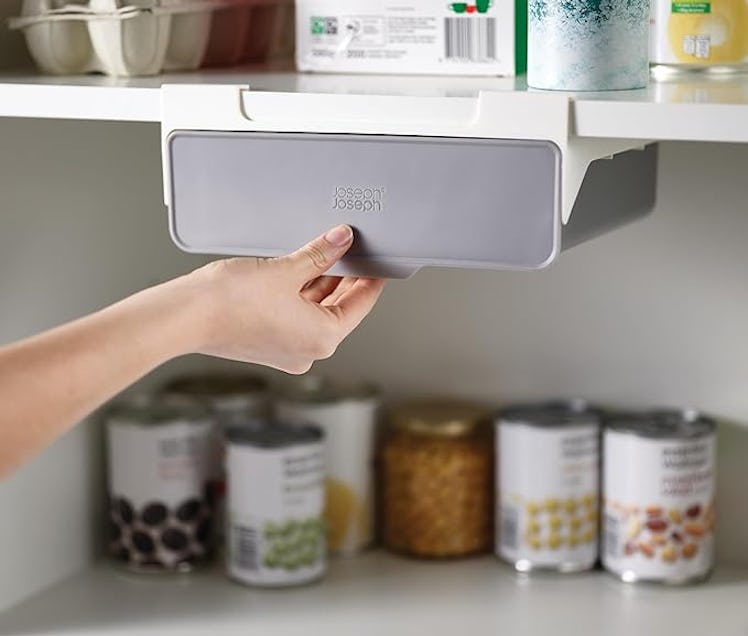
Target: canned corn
276, 534
659, 488
547, 484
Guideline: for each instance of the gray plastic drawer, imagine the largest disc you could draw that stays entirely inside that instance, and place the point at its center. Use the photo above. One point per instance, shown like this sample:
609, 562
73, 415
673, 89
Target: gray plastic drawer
413, 201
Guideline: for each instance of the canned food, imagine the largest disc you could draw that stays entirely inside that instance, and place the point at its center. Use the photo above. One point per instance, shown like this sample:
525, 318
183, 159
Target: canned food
232, 399
547, 480
659, 488
699, 35
275, 497
224, 393
348, 418
437, 474
160, 496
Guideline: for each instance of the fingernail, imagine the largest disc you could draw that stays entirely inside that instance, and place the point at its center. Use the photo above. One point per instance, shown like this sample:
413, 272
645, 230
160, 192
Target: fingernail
340, 235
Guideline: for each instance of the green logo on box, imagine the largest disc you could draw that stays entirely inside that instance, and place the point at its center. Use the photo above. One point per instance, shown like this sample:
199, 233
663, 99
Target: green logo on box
479, 6
319, 26
686, 6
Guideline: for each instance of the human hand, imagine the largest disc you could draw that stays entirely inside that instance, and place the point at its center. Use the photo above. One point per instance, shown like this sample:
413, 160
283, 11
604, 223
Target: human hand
282, 312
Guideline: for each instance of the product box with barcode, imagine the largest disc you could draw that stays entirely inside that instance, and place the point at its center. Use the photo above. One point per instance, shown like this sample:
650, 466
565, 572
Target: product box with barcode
478, 37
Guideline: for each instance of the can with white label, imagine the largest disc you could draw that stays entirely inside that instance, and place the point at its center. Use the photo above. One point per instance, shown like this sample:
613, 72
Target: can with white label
547, 484
348, 417
659, 487
160, 498
232, 399
275, 497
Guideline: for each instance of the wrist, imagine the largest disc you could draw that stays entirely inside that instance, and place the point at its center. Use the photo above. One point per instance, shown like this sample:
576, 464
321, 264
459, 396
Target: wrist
175, 318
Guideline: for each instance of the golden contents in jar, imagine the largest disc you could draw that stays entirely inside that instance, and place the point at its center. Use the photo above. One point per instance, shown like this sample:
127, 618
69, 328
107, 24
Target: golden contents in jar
437, 489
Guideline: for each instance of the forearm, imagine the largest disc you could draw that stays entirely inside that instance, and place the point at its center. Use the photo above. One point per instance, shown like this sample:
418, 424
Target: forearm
51, 381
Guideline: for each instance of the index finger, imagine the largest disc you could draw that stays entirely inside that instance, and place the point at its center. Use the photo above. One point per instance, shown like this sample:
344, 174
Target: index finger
354, 305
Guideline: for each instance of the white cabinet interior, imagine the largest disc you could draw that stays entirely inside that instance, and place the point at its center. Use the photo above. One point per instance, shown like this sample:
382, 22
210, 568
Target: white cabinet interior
653, 314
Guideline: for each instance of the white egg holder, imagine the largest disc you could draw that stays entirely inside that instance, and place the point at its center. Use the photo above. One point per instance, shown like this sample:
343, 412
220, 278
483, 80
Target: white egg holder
135, 39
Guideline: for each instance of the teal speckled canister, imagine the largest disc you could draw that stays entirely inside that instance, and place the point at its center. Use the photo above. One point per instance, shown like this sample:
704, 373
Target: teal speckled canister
588, 45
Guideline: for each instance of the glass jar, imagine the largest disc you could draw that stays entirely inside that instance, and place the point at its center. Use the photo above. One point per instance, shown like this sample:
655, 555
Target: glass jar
698, 36
437, 490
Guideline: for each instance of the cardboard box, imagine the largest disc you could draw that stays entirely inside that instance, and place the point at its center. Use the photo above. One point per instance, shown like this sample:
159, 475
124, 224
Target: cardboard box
478, 37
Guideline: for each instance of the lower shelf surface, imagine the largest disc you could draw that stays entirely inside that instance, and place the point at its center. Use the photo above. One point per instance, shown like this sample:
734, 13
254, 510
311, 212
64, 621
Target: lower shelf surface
379, 594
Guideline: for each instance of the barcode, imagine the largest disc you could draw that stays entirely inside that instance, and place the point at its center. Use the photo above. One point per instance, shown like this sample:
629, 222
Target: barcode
612, 537
509, 527
470, 39
245, 548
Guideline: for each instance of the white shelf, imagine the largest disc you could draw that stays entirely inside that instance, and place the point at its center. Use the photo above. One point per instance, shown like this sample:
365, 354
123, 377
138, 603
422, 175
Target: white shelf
695, 109
380, 594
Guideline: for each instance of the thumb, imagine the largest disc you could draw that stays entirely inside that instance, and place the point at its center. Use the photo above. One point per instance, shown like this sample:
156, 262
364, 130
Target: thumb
319, 255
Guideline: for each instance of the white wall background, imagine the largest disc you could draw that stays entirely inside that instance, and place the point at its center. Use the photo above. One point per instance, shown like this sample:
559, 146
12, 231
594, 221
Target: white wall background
654, 314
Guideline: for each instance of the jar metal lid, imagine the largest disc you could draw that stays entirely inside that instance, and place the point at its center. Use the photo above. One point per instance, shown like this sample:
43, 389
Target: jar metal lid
663, 424
439, 418
553, 414
316, 389
273, 434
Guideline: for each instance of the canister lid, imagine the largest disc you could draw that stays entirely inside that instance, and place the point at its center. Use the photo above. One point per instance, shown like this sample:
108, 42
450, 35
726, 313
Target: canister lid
440, 418
557, 413
663, 424
316, 389
273, 434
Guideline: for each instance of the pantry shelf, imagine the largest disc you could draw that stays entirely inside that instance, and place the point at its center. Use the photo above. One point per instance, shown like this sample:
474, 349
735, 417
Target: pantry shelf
381, 594
689, 109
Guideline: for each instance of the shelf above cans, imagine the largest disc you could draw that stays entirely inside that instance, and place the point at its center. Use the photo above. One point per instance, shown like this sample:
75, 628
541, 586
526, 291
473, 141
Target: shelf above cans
691, 108
381, 594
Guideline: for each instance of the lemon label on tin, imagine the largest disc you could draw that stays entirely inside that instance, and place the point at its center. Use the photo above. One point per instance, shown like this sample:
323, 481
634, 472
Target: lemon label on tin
691, 6
716, 36
340, 511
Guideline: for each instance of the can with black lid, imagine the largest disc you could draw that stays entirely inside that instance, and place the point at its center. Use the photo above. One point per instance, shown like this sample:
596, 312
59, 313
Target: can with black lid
161, 500
548, 486
659, 488
275, 501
